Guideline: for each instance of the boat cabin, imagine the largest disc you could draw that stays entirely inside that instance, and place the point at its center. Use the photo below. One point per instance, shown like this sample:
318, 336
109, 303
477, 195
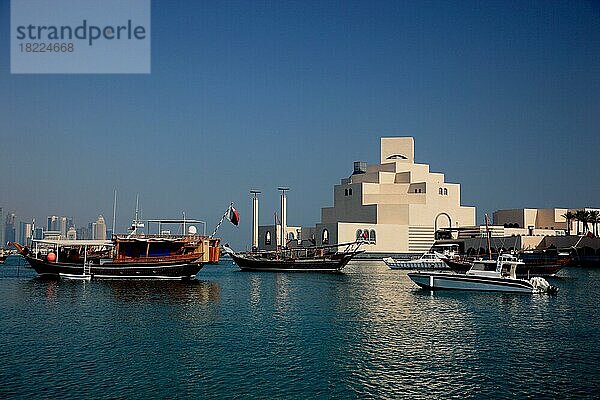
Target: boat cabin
504, 267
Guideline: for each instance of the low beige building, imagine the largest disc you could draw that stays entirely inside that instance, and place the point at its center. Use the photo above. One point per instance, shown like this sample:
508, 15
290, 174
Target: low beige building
535, 220
396, 206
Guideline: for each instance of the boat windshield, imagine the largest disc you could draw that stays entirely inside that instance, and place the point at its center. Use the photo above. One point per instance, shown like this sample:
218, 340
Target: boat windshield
484, 266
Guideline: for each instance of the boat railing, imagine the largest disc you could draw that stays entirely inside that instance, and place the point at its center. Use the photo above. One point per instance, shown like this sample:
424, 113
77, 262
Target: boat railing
312, 251
159, 236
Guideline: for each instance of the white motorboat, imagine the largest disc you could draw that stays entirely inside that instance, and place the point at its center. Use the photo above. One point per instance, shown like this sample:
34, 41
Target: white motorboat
485, 275
432, 260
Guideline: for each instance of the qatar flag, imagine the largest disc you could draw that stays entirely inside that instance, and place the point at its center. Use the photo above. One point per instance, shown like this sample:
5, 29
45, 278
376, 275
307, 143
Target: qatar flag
233, 216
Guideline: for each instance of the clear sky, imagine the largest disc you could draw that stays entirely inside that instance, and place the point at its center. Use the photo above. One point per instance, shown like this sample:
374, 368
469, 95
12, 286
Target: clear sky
503, 97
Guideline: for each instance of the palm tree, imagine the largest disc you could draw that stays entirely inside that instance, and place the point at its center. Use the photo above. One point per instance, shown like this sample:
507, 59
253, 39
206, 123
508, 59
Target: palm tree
569, 216
594, 219
586, 220
580, 216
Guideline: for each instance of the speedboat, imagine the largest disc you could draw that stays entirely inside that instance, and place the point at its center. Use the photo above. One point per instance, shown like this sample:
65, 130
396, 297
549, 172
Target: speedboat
485, 275
431, 260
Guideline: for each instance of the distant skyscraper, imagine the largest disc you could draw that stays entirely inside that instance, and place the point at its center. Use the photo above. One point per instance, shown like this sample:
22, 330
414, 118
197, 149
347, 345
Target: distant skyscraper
82, 233
63, 227
25, 231
38, 234
53, 223
99, 231
9, 228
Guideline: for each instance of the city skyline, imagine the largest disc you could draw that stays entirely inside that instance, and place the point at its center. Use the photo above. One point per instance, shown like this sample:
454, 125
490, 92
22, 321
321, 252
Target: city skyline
502, 97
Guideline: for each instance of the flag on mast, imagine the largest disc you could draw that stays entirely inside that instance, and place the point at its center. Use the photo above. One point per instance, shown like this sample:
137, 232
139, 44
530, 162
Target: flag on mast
233, 216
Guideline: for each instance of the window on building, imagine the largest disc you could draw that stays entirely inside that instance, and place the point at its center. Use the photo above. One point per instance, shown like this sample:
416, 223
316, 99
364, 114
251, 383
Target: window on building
268, 238
445, 192
290, 235
441, 191
350, 192
359, 235
345, 192
372, 236
365, 234
325, 236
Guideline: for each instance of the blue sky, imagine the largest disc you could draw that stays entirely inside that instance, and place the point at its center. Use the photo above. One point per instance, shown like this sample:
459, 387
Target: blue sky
503, 97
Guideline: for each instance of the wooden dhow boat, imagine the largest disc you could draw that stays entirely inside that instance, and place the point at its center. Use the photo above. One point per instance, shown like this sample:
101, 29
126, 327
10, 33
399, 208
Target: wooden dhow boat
301, 259
534, 263
133, 256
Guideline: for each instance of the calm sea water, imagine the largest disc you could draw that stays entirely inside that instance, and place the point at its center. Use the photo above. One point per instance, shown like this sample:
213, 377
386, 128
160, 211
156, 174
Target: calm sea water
367, 333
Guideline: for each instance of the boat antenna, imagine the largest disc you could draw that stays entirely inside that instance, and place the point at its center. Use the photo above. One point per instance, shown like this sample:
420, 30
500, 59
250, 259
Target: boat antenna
32, 231
487, 229
114, 212
136, 224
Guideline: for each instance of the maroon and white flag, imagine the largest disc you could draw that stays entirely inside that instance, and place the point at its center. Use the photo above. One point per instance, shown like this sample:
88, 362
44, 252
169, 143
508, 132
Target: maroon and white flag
233, 216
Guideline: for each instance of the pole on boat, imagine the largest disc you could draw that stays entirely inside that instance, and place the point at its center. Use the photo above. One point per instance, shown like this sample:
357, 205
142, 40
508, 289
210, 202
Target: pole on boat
283, 190
255, 194
487, 229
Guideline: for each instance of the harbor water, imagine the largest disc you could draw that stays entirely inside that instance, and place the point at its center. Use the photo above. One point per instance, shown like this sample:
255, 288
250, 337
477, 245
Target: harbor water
366, 333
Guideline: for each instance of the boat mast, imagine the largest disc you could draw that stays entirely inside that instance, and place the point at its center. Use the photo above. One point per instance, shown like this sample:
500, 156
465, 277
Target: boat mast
487, 229
255, 194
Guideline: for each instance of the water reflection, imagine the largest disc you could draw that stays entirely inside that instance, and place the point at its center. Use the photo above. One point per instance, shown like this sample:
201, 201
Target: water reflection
367, 333
193, 291
131, 291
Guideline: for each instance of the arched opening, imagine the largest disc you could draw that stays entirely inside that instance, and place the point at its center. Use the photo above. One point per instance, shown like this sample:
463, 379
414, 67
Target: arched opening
359, 235
268, 238
435, 222
325, 236
291, 236
372, 236
445, 192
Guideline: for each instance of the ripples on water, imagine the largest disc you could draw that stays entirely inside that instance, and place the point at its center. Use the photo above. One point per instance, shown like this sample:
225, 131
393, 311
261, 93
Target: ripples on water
366, 333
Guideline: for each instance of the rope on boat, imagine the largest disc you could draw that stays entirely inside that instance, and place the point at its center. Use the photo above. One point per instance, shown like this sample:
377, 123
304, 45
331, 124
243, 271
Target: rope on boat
225, 215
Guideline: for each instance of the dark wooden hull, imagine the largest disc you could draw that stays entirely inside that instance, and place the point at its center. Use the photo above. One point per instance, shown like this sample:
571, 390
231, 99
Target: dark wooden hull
585, 261
163, 269
530, 269
334, 263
